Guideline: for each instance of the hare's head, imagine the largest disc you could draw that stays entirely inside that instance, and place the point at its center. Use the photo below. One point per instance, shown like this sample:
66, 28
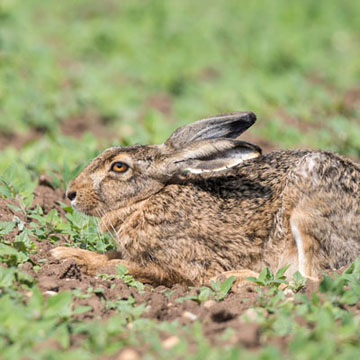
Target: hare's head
121, 176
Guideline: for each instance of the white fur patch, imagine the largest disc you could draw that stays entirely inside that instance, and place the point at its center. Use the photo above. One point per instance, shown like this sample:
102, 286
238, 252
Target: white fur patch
96, 179
300, 248
307, 166
234, 162
73, 205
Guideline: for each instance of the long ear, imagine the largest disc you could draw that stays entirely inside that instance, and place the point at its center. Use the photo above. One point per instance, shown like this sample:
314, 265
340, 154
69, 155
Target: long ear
208, 156
220, 126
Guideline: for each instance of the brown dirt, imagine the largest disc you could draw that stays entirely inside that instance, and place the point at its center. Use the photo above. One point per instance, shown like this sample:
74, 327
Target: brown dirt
161, 102
351, 99
48, 198
77, 125
74, 126
19, 140
7, 214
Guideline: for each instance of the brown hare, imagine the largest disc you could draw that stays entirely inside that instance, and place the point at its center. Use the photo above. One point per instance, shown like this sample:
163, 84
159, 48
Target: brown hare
205, 204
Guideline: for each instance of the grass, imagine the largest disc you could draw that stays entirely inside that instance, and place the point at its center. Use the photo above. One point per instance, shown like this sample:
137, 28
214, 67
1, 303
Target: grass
61, 59
142, 68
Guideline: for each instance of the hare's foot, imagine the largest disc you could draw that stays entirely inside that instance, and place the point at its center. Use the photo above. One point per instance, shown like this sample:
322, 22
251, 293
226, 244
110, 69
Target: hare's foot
93, 263
88, 261
240, 278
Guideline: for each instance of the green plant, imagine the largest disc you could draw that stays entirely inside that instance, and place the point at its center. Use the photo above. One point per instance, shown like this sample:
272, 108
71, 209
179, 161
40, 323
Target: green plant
266, 278
126, 308
122, 273
217, 291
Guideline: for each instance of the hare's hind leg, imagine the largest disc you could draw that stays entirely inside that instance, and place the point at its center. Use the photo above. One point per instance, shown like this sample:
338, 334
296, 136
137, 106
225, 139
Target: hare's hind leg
322, 212
306, 244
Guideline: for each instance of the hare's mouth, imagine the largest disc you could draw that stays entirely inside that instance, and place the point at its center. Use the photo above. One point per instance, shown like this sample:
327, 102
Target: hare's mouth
90, 205
88, 209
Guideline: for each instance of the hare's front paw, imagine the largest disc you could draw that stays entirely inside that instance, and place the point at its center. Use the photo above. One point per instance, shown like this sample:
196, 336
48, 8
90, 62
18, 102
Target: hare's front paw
87, 260
64, 253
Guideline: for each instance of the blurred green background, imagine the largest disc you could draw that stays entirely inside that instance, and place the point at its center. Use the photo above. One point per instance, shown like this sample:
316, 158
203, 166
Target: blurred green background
140, 68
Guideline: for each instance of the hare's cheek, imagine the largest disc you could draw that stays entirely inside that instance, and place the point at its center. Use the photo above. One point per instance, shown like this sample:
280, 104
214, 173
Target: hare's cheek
110, 190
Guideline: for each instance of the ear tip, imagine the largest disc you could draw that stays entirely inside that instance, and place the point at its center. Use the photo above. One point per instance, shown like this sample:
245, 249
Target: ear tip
252, 116
244, 117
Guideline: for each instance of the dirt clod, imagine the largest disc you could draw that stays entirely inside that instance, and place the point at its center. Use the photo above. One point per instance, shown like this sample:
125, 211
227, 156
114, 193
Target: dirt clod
128, 354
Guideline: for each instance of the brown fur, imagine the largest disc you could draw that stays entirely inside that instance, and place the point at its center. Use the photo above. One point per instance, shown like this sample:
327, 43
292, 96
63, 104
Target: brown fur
172, 226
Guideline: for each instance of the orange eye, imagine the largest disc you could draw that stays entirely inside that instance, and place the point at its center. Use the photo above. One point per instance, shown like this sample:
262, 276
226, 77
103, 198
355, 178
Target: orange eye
119, 167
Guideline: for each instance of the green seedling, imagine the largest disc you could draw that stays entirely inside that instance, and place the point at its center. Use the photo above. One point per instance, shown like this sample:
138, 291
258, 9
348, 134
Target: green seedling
222, 288
122, 273
126, 308
266, 278
297, 282
217, 291
6, 227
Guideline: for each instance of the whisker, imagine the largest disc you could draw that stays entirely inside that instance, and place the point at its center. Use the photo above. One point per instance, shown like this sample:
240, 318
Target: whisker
97, 220
98, 231
106, 224
114, 231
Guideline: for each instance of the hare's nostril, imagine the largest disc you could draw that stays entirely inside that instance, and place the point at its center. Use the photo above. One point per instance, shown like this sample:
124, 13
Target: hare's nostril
71, 195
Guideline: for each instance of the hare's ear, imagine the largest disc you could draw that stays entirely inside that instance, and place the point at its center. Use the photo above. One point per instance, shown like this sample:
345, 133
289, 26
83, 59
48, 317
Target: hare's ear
220, 126
210, 156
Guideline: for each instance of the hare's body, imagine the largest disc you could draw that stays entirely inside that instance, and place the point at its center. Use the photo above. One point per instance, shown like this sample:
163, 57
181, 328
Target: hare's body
289, 207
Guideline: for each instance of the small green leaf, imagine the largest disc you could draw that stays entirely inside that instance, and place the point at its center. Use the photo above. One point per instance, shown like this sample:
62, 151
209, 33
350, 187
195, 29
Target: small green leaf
204, 294
121, 270
280, 273
326, 284
6, 227
36, 302
82, 309
7, 276
59, 305
264, 275
11, 256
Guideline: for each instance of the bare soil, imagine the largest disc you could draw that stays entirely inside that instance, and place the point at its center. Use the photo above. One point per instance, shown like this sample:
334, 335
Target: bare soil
77, 125
19, 140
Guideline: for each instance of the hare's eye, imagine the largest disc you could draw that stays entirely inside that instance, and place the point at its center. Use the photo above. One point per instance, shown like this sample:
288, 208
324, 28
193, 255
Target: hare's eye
119, 167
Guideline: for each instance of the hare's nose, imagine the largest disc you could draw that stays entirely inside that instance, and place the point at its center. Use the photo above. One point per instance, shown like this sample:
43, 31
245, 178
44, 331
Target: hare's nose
71, 195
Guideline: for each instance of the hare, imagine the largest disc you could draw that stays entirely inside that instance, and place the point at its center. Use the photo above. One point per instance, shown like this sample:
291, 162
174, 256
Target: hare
205, 204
